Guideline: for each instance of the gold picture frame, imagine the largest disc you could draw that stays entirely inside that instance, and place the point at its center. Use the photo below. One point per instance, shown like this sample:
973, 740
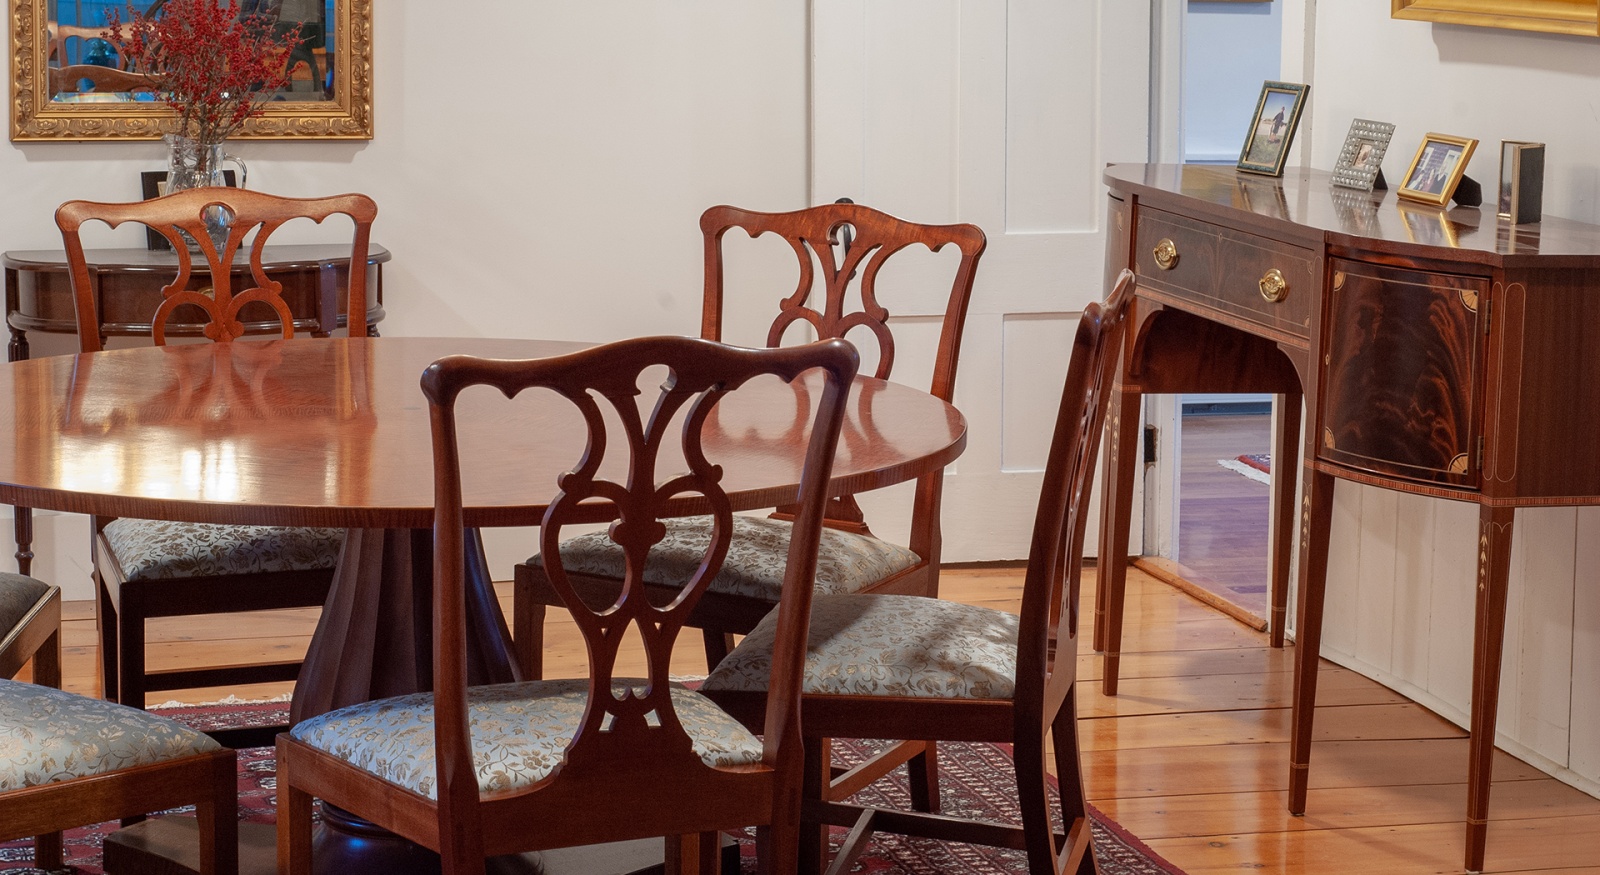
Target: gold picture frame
1580, 17
1437, 168
346, 113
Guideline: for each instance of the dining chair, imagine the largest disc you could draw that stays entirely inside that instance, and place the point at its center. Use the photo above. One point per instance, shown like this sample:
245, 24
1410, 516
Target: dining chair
894, 666
145, 569
848, 245
30, 628
537, 764
70, 760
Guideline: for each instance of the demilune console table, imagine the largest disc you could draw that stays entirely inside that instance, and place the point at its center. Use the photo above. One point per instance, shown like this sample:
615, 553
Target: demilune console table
129, 281
1438, 352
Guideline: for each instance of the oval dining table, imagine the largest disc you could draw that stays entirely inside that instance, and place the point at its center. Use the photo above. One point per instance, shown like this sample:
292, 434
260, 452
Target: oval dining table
334, 432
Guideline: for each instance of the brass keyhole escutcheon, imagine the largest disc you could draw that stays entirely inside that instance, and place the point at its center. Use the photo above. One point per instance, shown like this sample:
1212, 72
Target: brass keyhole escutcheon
1166, 254
1273, 286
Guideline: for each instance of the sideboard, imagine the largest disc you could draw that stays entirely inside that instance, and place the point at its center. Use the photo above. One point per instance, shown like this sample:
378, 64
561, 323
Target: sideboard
1437, 352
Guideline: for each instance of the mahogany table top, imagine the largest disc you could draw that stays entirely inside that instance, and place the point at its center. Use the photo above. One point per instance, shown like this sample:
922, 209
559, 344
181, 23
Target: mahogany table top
334, 432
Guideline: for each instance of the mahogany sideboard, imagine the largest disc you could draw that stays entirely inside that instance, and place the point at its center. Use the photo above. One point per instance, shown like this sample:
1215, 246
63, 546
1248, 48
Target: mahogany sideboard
1437, 350
39, 290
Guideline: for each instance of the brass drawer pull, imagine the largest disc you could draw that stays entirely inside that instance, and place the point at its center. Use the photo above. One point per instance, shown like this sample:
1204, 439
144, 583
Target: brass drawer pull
1273, 286
1166, 253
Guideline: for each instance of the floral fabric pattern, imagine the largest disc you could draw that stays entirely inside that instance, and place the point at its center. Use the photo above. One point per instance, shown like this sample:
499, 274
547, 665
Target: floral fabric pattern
160, 550
520, 733
47, 735
888, 645
757, 557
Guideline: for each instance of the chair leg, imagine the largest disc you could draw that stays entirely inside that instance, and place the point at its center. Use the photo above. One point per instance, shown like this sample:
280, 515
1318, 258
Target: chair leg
527, 635
47, 851
1069, 780
813, 838
294, 822
717, 646
106, 620
219, 819
693, 854
47, 662
130, 654
923, 773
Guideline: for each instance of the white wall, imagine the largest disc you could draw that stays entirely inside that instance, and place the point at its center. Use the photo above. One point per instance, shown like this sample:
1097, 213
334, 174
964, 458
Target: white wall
1401, 580
540, 168
1229, 49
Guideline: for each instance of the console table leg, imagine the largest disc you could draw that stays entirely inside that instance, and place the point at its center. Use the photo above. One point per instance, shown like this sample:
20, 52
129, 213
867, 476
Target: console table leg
1489, 622
1316, 518
1285, 453
23, 521
16, 351
1116, 515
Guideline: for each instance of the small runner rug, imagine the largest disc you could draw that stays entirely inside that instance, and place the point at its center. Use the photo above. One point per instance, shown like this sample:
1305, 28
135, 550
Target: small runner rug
969, 776
1256, 466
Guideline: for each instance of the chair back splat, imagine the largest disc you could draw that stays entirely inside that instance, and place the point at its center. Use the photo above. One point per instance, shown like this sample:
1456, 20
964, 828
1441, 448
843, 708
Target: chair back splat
184, 218
629, 757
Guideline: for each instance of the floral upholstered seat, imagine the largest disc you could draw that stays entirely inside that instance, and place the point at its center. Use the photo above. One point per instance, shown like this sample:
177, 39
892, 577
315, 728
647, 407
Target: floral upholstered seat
47, 736
160, 550
846, 562
520, 733
888, 645
18, 594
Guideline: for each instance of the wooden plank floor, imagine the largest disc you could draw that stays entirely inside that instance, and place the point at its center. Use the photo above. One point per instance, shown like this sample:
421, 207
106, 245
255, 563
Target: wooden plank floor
1191, 756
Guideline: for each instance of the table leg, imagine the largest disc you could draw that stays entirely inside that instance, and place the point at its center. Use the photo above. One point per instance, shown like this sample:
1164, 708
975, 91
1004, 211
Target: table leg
1489, 623
1285, 452
1122, 455
1315, 521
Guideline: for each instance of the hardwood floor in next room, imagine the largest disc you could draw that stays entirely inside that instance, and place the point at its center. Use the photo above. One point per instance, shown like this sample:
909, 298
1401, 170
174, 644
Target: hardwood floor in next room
1191, 757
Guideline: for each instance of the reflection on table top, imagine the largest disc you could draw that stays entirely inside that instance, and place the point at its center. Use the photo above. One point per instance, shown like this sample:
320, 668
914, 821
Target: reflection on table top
335, 432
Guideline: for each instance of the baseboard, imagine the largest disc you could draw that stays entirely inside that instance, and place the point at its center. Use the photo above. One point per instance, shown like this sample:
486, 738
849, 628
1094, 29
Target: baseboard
1172, 574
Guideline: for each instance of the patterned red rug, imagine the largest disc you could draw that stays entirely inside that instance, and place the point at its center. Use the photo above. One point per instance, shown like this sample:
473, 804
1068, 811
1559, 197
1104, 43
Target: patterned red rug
969, 773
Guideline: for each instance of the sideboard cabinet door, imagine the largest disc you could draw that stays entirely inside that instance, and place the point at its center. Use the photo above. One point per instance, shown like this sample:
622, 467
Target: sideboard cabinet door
1402, 386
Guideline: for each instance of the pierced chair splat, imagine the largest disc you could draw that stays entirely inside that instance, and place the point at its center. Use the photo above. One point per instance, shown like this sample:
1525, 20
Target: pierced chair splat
478, 771
894, 666
143, 568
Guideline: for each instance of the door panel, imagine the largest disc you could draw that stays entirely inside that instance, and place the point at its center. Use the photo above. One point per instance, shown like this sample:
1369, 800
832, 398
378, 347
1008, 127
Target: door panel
1002, 114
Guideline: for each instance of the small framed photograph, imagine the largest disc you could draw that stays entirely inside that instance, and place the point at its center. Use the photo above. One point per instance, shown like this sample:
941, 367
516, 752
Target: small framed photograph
1266, 147
1360, 162
1521, 195
1437, 169
153, 183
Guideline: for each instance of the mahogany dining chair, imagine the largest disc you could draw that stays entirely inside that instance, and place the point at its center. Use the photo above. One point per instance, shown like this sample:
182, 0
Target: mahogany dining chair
471, 772
894, 666
69, 760
145, 569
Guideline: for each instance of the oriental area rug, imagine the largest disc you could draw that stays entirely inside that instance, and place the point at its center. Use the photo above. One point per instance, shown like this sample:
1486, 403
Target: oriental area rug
975, 782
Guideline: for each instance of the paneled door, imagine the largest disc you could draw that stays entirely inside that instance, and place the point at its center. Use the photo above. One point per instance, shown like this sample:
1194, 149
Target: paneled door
1002, 114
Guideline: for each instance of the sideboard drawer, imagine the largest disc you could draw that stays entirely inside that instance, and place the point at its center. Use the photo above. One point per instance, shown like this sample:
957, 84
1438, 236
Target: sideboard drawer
1263, 281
